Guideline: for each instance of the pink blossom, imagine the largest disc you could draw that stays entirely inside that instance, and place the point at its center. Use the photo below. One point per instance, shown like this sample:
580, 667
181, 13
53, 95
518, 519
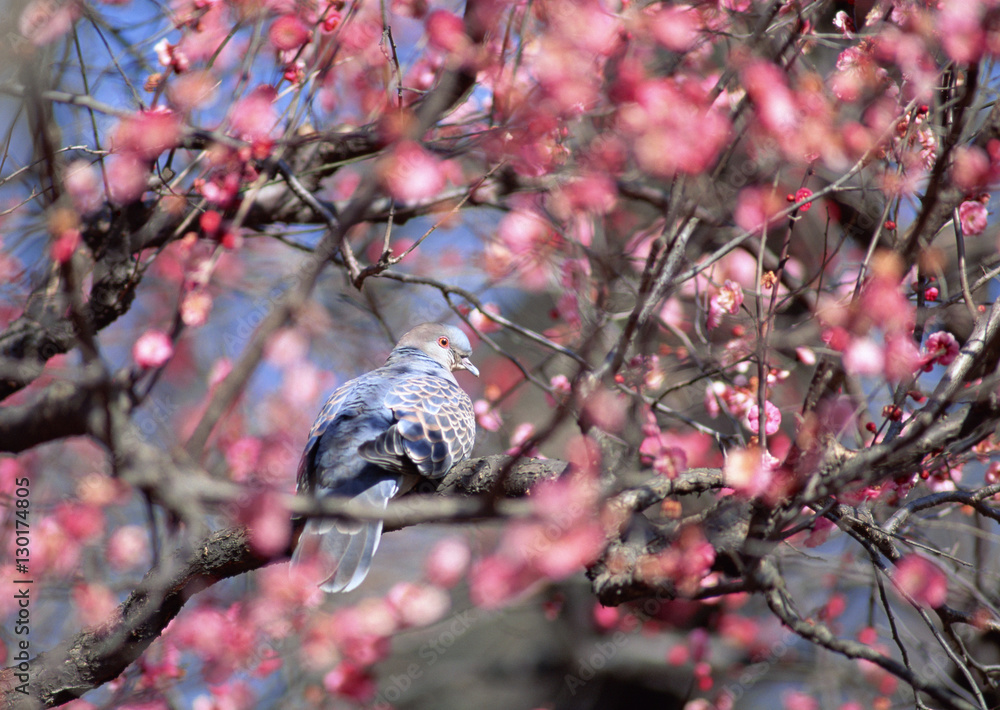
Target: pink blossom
447, 562
901, 356
667, 460
127, 177
971, 169
747, 472
676, 28
845, 23
804, 193
495, 580
685, 562
418, 605
147, 134
94, 603
863, 356
446, 32
755, 208
486, 415
522, 434
772, 422
169, 56
350, 681
195, 307
288, 33
253, 117
128, 547
941, 348
190, 91
561, 390
606, 617
242, 457
482, 322
773, 101
64, 246
921, 580
83, 183
797, 700
267, 520
44, 21
973, 216
411, 174
152, 349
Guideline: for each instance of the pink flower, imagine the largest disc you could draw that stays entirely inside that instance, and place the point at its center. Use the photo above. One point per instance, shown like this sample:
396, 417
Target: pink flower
94, 603
350, 681
411, 174
486, 416
152, 349
804, 193
195, 307
288, 33
727, 300
773, 101
494, 580
148, 133
447, 562
747, 472
901, 356
128, 547
253, 117
446, 31
522, 434
83, 183
127, 177
481, 321
676, 28
973, 216
267, 520
941, 349
922, 580
44, 21
771, 423
755, 207
863, 356
65, 245
418, 604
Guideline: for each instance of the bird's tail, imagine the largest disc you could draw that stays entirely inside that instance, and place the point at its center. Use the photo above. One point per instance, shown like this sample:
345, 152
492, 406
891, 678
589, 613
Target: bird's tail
346, 546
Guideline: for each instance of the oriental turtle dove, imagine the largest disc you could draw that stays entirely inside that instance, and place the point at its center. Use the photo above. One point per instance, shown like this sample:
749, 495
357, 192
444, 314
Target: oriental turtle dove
378, 433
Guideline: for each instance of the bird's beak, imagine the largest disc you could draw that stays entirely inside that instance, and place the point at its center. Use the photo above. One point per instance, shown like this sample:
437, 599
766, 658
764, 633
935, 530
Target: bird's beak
466, 364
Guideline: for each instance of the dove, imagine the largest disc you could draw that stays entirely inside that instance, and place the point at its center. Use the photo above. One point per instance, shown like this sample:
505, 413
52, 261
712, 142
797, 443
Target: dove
376, 436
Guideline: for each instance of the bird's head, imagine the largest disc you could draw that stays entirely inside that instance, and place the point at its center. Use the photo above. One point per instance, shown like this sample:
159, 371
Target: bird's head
444, 343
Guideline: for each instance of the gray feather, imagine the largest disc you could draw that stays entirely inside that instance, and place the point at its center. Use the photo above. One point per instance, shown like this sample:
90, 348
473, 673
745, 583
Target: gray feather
407, 417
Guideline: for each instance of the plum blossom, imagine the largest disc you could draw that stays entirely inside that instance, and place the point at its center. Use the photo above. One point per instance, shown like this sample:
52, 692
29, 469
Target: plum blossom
411, 174
755, 208
922, 580
727, 300
772, 420
446, 32
350, 680
152, 349
973, 216
863, 356
447, 562
941, 348
685, 562
288, 33
749, 472
487, 415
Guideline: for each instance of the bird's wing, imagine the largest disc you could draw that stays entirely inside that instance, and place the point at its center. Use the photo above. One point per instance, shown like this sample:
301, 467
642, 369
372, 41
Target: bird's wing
434, 427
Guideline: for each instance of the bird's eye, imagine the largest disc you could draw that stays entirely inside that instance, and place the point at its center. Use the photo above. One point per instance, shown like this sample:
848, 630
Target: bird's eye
443, 341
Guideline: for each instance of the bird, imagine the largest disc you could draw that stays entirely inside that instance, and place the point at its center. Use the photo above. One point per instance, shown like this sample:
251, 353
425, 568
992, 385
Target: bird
376, 436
